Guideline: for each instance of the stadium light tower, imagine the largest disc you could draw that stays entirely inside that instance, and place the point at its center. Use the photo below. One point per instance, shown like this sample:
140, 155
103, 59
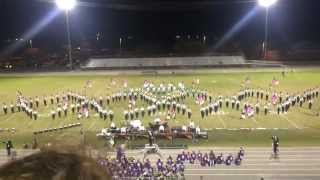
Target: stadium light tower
266, 4
67, 6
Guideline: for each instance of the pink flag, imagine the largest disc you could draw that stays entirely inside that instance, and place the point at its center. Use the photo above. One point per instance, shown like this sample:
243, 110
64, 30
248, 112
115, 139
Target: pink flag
275, 82
200, 100
274, 99
146, 83
249, 109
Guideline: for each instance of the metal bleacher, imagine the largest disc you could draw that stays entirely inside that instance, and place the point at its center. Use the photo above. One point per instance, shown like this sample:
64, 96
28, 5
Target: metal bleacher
163, 62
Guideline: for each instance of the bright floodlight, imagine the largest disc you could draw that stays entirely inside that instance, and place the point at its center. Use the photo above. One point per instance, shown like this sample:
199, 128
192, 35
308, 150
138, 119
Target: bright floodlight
66, 4
266, 3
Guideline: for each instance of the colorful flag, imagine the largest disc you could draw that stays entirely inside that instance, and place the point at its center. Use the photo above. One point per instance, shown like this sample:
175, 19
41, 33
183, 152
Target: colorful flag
275, 82
200, 100
274, 98
249, 110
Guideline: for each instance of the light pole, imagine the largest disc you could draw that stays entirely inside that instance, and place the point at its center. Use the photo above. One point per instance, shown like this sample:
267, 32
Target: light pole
266, 4
67, 5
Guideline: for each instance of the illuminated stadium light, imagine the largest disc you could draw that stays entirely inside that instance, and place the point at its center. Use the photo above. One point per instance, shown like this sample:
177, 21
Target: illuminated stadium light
66, 4
267, 3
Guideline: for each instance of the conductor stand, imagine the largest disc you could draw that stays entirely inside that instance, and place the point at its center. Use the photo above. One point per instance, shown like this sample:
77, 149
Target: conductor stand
151, 148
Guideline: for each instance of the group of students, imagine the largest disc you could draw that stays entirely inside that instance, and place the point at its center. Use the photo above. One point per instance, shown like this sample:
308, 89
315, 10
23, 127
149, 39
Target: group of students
164, 97
172, 102
78, 104
281, 103
23, 105
123, 167
210, 159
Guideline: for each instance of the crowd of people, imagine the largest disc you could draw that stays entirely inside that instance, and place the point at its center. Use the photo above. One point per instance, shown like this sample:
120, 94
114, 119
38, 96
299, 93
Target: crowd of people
122, 167
209, 159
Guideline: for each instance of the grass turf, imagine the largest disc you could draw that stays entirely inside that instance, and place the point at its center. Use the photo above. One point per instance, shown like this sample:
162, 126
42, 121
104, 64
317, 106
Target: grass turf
301, 123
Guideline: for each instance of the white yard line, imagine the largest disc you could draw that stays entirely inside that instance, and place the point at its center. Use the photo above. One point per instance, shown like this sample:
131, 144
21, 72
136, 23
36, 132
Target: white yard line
92, 124
29, 124
222, 122
256, 122
292, 123
8, 118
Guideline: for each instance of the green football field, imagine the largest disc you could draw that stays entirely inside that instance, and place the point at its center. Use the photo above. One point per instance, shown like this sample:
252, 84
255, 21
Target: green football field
299, 127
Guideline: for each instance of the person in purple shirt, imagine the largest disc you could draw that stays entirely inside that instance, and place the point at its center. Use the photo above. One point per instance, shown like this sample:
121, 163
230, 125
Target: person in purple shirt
139, 166
183, 156
119, 153
129, 171
202, 162
206, 159
136, 173
136, 170
199, 156
169, 160
191, 161
125, 173
229, 160
179, 159
179, 156
220, 159
150, 171
147, 164
241, 153
188, 156
159, 165
165, 172
174, 168
212, 159
181, 168
193, 156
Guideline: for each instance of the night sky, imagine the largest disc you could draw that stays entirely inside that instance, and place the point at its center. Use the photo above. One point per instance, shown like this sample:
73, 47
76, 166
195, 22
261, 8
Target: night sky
292, 21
